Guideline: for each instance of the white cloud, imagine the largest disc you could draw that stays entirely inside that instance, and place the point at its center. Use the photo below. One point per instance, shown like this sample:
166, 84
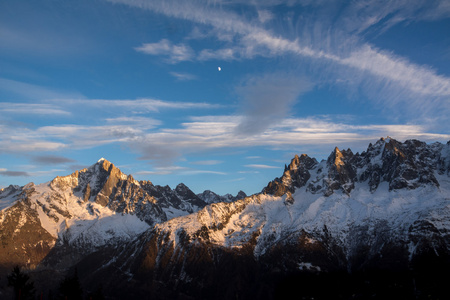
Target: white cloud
207, 162
29, 145
418, 79
260, 166
163, 146
265, 15
220, 54
167, 170
32, 108
212, 133
175, 53
140, 122
183, 76
197, 172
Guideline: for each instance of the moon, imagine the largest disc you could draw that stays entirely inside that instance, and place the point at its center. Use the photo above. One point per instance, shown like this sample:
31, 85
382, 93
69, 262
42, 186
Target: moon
219, 68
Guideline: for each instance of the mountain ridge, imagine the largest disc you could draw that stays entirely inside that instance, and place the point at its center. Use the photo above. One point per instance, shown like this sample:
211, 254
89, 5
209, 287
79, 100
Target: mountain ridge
85, 210
384, 209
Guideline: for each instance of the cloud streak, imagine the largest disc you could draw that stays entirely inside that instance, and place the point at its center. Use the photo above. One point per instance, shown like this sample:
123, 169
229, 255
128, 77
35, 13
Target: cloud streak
175, 53
5, 172
141, 104
260, 166
183, 76
52, 160
32, 108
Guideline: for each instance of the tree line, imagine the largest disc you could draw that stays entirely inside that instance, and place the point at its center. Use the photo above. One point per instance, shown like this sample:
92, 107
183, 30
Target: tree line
69, 288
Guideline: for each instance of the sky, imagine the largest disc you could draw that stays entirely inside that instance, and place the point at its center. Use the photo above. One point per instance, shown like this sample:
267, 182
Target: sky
217, 94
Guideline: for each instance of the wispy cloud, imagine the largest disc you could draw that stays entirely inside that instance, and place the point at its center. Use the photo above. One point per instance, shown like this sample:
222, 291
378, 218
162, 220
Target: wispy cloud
142, 104
175, 53
29, 145
164, 146
197, 172
32, 108
211, 133
183, 76
59, 137
261, 166
207, 162
168, 170
143, 123
5, 172
52, 160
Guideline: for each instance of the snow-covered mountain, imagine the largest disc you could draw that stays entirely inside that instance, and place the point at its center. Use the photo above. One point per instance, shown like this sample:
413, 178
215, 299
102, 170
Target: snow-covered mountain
386, 209
211, 197
383, 211
85, 210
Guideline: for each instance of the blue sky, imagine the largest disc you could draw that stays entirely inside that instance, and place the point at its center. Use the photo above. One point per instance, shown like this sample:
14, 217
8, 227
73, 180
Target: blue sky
138, 83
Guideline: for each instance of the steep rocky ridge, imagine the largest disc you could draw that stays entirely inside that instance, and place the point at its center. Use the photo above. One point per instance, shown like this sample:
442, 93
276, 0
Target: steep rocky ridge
211, 197
401, 165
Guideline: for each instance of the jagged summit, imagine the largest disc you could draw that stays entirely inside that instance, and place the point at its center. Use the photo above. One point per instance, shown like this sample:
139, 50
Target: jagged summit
211, 197
401, 165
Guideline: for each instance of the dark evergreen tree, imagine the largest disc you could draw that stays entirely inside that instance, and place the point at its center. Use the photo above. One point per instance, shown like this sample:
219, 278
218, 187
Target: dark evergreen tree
20, 282
70, 288
97, 295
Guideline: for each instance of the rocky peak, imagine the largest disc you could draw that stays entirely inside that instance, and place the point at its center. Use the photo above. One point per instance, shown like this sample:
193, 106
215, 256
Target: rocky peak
295, 175
210, 197
240, 195
182, 188
405, 165
7, 191
184, 193
444, 159
302, 161
341, 171
402, 165
105, 167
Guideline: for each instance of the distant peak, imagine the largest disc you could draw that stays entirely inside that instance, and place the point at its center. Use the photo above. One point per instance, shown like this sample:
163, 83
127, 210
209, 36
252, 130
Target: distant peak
104, 162
387, 140
181, 186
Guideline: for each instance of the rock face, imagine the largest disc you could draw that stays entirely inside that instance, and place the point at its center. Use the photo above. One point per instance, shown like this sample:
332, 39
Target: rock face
211, 197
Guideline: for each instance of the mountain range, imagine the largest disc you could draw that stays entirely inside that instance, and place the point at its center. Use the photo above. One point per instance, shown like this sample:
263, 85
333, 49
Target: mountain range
354, 226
